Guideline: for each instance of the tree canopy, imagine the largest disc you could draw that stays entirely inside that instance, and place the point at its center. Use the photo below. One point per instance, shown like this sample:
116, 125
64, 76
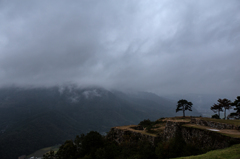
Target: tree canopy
216, 109
95, 146
222, 103
236, 103
183, 105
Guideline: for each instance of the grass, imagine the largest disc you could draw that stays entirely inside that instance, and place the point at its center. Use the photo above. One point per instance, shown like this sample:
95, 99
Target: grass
232, 152
178, 119
39, 153
196, 126
150, 128
139, 131
232, 122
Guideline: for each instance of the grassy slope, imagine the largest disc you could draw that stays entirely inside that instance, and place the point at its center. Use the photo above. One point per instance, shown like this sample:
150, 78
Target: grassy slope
232, 152
139, 131
178, 119
232, 122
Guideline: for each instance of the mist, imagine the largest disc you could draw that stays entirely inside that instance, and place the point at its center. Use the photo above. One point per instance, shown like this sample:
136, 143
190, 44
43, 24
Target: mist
165, 47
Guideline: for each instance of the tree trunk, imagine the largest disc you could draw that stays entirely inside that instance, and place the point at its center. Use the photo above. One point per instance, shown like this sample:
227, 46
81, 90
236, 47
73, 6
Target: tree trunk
183, 111
225, 113
219, 113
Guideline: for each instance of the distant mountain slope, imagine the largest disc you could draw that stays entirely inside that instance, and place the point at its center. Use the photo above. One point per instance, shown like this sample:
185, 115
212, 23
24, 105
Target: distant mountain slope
39, 117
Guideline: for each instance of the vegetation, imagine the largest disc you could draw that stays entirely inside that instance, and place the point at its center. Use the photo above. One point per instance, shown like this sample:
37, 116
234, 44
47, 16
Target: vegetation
222, 103
232, 122
232, 152
146, 123
176, 147
151, 126
49, 155
236, 103
226, 104
234, 115
215, 116
95, 146
184, 105
179, 118
216, 109
41, 117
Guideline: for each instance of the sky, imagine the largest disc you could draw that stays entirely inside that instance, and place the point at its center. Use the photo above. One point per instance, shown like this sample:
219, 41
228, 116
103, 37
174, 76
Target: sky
161, 46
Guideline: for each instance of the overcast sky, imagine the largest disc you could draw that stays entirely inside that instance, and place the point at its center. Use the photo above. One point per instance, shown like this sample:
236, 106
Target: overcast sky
171, 46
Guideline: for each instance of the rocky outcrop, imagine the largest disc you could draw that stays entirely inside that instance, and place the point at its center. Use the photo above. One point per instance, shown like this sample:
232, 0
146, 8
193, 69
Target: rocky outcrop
202, 138
214, 124
198, 137
172, 129
206, 139
121, 135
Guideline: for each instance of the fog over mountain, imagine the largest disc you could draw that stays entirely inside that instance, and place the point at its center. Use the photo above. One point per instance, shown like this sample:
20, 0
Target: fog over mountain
157, 46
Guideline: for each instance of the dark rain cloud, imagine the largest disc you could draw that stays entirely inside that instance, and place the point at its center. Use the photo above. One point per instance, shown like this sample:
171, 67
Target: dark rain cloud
161, 46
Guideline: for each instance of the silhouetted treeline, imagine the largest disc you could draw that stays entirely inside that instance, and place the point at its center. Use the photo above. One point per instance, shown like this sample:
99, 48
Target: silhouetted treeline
95, 146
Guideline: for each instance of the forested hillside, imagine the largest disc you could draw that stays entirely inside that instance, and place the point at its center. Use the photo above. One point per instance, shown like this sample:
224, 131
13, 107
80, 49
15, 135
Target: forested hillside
32, 118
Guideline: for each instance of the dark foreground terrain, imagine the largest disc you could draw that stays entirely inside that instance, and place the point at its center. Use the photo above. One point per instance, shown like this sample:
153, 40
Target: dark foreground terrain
33, 118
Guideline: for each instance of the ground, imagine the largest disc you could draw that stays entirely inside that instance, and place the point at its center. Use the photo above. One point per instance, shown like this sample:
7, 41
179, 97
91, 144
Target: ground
232, 152
227, 132
158, 128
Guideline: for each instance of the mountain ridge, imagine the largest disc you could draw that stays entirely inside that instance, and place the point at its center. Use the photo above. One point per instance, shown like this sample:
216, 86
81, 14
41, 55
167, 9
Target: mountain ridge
33, 118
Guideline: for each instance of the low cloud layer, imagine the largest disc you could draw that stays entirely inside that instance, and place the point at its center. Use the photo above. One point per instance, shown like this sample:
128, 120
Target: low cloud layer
160, 46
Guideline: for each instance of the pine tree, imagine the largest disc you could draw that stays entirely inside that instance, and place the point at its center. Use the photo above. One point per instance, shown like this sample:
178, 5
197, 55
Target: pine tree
222, 103
184, 105
216, 109
236, 103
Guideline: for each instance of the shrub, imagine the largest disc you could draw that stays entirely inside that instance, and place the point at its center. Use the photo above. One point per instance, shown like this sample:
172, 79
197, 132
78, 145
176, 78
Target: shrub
215, 116
145, 123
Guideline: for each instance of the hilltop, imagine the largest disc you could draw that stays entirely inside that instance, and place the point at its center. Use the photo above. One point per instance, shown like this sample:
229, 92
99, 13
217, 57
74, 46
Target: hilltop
204, 134
163, 138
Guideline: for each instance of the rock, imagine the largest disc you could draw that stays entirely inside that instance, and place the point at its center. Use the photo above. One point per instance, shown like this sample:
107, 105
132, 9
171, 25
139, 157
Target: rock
214, 124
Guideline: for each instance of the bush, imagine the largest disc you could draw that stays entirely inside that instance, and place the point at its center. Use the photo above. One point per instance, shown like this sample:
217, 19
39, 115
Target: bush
145, 123
92, 141
234, 115
95, 146
140, 150
83, 146
173, 148
176, 147
215, 116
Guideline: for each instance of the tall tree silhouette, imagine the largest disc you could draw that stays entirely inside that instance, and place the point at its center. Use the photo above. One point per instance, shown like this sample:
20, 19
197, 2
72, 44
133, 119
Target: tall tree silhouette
222, 103
216, 109
183, 105
236, 103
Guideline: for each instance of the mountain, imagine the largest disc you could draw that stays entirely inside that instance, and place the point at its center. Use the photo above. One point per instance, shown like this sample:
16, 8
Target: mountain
32, 118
